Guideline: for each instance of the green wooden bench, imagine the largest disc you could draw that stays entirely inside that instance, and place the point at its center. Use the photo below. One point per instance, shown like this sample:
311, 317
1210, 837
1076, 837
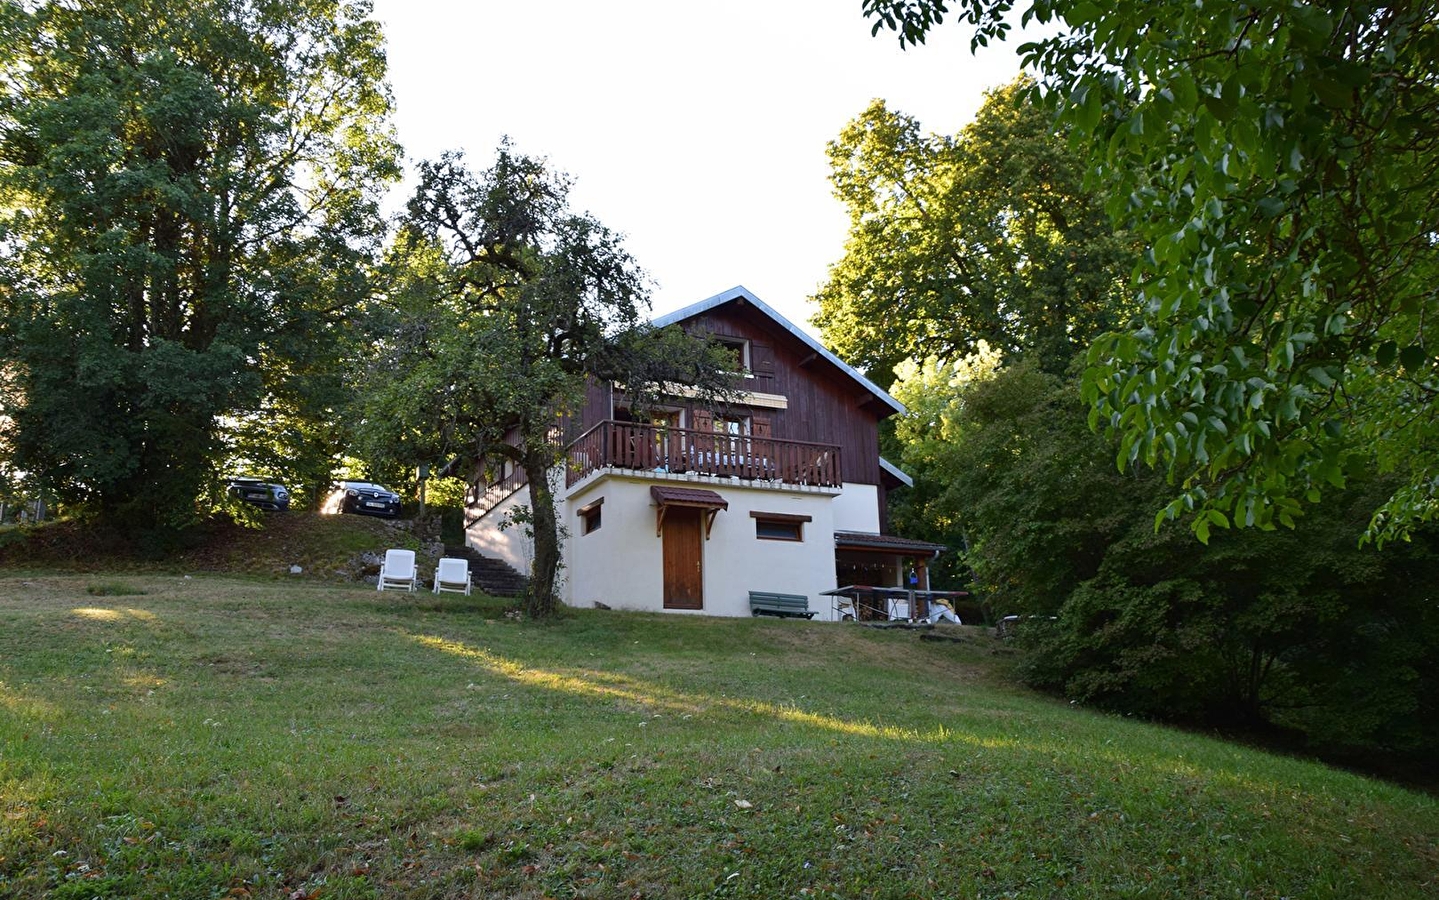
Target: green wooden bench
764, 603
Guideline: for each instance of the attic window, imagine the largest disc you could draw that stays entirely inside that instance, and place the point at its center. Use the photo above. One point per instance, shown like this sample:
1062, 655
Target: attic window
739, 347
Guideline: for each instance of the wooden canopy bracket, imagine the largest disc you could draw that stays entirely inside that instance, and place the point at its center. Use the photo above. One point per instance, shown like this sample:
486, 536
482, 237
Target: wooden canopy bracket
710, 513
708, 502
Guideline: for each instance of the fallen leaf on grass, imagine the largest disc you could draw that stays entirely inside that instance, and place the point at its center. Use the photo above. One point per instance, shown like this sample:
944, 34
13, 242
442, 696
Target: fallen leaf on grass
743, 804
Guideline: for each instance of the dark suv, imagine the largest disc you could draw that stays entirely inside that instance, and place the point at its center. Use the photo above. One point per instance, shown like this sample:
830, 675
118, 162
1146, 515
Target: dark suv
264, 494
364, 497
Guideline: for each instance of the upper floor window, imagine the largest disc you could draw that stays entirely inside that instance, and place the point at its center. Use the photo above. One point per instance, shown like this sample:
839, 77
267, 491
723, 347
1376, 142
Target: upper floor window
734, 425
739, 348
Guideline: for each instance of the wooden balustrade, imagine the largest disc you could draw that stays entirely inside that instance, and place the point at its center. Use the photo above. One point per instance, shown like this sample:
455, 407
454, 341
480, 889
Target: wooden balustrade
661, 448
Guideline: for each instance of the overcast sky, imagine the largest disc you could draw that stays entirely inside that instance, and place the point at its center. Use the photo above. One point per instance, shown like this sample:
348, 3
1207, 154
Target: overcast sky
698, 130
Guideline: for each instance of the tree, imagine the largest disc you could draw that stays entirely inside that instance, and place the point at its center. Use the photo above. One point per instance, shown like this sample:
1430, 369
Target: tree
1002, 457
988, 235
1302, 629
504, 304
301, 429
187, 192
1280, 163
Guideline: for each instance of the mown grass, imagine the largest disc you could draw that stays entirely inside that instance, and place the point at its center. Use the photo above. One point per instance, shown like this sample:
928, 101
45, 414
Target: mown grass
223, 737
324, 547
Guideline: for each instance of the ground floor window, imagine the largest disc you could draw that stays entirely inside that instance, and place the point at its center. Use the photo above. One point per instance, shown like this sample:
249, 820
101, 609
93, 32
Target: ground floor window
779, 526
590, 516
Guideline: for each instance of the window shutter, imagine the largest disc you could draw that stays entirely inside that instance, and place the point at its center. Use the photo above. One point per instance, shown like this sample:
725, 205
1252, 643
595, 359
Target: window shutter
760, 426
704, 420
761, 358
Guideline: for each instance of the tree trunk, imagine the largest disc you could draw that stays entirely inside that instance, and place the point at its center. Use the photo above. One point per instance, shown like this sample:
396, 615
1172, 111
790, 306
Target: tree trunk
540, 599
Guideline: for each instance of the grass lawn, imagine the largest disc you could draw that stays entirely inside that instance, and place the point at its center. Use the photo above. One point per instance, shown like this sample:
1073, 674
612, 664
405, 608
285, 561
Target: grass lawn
222, 737
324, 547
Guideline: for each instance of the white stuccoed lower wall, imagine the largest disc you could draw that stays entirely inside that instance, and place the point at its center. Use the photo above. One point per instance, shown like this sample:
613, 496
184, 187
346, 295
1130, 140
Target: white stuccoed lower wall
513, 545
857, 508
621, 563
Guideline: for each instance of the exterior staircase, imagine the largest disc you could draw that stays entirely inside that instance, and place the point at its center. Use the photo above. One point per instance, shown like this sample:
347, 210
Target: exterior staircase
492, 576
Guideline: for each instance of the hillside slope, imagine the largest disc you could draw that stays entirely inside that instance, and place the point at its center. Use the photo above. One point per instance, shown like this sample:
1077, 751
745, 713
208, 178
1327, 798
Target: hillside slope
211, 736
326, 547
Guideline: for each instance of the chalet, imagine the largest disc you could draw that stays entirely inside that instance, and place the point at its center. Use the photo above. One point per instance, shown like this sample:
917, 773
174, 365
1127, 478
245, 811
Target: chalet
783, 491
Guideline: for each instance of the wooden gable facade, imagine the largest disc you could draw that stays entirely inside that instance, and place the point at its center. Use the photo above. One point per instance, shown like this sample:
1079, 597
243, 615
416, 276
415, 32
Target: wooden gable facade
822, 404
796, 391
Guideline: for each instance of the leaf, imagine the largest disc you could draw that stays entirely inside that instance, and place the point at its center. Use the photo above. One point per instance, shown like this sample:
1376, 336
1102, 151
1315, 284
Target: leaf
1083, 13
1412, 357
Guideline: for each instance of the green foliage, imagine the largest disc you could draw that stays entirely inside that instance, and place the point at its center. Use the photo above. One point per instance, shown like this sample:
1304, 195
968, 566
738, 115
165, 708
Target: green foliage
326, 547
1300, 628
988, 235
300, 429
1279, 162
504, 306
1006, 464
187, 198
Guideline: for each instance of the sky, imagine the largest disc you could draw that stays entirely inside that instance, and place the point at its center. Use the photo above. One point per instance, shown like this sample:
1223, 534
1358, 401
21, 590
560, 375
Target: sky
696, 129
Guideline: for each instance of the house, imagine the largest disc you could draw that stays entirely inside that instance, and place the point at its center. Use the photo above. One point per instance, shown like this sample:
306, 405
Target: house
689, 508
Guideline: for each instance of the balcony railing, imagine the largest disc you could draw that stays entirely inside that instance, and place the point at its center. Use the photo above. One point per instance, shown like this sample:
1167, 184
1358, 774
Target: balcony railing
662, 449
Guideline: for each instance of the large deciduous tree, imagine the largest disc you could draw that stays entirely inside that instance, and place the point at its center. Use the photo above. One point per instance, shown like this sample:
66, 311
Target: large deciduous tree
187, 200
504, 303
987, 235
1280, 162
1303, 629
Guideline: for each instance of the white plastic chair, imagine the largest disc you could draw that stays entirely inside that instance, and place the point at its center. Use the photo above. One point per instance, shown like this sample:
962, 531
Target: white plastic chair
453, 575
398, 572
938, 612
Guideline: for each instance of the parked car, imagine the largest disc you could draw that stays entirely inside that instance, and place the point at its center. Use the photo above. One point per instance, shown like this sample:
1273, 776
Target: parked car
264, 494
364, 497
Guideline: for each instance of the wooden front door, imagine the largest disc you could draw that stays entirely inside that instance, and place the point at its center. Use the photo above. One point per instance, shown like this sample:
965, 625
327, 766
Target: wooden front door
684, 559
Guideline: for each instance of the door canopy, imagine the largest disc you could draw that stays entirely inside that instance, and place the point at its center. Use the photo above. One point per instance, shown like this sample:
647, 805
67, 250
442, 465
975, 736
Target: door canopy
708, 501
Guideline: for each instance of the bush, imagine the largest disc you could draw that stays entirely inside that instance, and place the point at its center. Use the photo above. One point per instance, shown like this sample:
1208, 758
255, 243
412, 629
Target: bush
1298, 629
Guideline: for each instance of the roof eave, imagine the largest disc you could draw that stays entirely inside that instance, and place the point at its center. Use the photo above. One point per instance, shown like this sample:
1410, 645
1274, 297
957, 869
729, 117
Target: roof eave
894, 470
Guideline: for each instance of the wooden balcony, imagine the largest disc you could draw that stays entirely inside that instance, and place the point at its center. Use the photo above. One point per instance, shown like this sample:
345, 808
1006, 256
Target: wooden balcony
679, 451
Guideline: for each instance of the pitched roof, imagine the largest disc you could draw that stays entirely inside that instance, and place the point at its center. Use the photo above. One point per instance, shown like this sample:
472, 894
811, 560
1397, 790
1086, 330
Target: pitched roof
896, 472
739, 292
677, 496
869, 541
